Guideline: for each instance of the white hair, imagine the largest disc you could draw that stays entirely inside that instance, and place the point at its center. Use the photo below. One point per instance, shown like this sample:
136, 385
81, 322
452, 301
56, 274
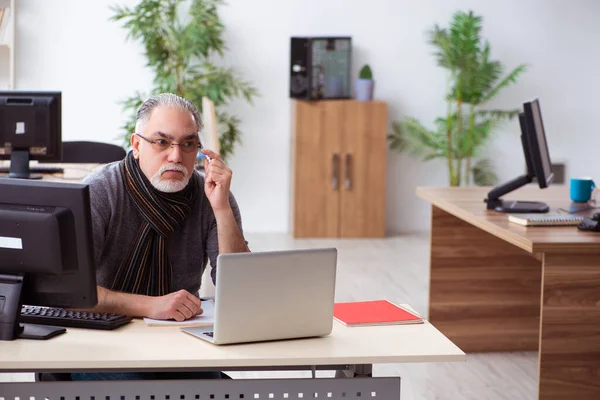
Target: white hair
167, 185
166, 100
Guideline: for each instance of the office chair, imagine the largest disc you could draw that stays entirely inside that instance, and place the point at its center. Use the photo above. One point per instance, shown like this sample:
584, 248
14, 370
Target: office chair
82, 152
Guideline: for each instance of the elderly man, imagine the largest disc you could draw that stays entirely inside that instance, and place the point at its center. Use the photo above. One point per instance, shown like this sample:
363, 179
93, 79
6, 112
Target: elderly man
157, 221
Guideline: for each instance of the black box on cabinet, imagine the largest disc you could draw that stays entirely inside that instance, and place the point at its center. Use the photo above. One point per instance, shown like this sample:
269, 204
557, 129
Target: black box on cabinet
320, 67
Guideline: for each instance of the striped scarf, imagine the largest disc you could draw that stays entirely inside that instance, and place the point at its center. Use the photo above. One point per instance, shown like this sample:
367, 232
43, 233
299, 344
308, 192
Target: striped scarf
147, 269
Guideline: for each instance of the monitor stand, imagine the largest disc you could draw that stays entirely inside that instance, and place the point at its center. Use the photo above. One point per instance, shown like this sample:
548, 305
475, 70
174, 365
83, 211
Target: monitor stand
10, 304
516, 207
19, 165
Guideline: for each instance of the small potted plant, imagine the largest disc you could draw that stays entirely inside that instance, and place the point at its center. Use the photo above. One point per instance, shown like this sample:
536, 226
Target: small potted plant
365, 84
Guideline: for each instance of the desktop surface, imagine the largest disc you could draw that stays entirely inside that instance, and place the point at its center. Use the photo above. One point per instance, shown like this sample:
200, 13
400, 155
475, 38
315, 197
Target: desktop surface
136, 346
70, 172
467, 204
43, 169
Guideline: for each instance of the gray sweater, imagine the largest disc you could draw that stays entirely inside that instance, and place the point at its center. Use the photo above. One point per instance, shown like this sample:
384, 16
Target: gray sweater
116, 222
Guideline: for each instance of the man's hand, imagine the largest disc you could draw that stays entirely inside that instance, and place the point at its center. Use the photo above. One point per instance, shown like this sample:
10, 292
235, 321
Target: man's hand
217, 181
179, 306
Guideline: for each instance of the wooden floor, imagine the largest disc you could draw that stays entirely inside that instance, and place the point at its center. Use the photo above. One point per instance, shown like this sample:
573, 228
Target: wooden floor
397, 268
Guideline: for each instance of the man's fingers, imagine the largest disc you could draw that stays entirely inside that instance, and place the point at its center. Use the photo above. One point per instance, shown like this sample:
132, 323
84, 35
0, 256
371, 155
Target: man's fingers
193, 298
178, 316
218, 176
188, 310
222, 171
217, 168
193, 306
211, 154
200, 311
217, 164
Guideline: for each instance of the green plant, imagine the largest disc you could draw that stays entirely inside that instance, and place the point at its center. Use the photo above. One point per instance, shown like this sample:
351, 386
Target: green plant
180, 39
473, 80
365, 72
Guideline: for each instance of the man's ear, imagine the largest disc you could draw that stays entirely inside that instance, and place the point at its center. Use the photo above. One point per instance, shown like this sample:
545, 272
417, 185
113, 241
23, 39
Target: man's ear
135, 146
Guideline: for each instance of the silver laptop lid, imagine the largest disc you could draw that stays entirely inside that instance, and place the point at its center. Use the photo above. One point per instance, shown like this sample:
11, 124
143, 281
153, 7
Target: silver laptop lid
274, 295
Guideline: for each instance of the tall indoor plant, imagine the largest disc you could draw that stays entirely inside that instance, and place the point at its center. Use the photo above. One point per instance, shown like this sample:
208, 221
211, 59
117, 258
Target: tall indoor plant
181, 39
473, 80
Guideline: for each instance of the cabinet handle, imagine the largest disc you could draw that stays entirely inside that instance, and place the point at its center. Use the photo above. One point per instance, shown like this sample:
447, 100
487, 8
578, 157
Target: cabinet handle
348, 180
335, 167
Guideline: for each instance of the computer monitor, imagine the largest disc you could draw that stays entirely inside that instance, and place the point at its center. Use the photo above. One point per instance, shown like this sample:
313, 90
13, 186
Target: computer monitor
46, 252
30, 129
537, 159
542, 165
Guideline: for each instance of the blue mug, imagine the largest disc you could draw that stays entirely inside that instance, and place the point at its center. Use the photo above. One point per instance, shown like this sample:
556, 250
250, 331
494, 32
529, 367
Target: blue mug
581, 189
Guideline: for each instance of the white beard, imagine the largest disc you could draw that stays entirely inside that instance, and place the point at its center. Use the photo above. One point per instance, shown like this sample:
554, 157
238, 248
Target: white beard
168, 185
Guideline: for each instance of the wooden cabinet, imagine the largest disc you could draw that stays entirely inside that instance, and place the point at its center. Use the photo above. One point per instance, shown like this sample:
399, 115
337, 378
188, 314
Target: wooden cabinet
339, 168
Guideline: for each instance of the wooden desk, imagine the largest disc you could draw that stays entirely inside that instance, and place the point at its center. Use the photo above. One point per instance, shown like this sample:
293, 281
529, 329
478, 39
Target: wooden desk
498, 286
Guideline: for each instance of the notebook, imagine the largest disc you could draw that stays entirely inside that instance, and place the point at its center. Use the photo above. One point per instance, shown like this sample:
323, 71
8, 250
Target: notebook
376, 312
545, 219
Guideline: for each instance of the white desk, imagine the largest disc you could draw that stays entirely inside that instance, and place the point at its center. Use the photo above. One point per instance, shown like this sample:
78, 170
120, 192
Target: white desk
73, 173
136, 347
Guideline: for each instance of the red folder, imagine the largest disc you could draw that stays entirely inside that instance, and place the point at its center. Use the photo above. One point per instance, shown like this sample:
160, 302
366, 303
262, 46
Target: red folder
377, 312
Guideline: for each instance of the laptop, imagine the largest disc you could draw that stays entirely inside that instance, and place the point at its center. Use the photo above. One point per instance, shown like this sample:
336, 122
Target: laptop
272, 295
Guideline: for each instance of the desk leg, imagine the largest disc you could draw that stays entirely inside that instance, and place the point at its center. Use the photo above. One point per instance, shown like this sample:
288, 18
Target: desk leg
484, 293
570, 327
356, 371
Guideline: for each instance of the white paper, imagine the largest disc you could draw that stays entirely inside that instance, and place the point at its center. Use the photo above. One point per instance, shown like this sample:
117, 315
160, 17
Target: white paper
205, 319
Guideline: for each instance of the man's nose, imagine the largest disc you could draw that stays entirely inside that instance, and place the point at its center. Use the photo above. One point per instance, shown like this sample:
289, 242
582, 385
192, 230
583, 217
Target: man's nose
175, 155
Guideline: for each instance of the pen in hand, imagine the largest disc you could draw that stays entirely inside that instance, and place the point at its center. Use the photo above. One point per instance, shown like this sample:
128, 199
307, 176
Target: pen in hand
202, 156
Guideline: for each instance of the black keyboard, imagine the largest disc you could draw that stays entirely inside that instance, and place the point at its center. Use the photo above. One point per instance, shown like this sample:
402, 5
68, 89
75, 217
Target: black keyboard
73, 319
40, 169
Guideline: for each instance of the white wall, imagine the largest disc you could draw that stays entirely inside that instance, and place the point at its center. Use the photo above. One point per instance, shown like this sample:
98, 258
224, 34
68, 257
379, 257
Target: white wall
70, 45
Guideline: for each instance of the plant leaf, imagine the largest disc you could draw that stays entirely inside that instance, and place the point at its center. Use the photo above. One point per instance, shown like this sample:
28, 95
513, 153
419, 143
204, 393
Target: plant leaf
509, 79
181, 38
483, 173
411, 136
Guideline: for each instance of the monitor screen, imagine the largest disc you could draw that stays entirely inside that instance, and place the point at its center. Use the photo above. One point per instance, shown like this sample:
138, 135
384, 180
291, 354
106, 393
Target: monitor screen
538, 146
46, 246
30, 128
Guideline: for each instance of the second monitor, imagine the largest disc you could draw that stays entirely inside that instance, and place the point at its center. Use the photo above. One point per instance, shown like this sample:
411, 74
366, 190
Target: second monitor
30, 129
537, 159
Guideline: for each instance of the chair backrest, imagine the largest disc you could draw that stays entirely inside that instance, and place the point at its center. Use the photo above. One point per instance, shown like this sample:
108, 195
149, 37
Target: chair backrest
91, 152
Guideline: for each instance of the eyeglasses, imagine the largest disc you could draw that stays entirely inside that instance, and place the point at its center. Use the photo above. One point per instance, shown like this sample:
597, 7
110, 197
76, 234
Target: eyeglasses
162, 144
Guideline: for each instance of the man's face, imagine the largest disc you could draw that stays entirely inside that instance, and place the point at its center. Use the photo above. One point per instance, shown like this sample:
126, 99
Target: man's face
168, 167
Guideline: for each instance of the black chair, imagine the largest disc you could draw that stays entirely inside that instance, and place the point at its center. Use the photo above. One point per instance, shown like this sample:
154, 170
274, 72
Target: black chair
90, 153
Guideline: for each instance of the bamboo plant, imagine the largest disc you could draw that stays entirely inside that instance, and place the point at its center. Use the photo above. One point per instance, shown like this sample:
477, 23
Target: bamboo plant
473, 80
181, 39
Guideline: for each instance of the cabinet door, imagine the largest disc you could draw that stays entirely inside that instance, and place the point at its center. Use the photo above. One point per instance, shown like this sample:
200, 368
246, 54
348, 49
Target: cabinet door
317, 168
364, 146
